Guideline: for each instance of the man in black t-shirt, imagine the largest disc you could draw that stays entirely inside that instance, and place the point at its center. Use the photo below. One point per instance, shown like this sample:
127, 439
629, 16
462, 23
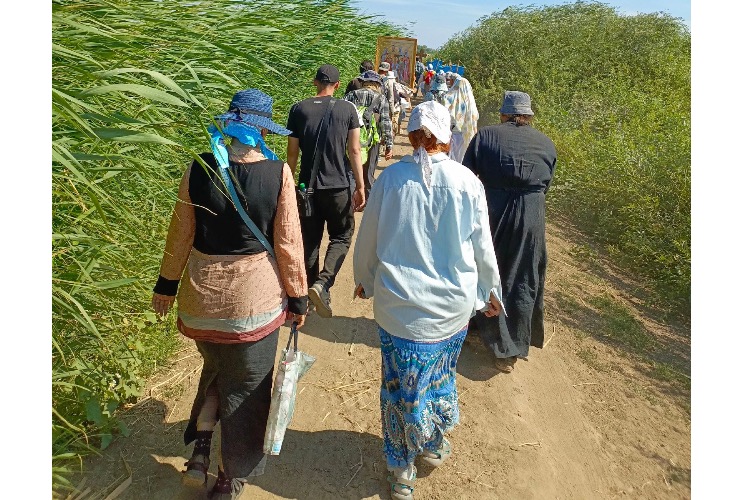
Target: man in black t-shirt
334, 202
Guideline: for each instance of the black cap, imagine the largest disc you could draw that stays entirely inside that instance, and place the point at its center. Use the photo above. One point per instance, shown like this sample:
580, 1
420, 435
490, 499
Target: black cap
327, 74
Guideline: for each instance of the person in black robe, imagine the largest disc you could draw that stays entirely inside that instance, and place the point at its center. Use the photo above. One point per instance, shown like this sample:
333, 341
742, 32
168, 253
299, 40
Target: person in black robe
515, 163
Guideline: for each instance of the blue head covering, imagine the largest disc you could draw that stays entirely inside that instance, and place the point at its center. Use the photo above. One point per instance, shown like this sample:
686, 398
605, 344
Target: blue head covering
249, 111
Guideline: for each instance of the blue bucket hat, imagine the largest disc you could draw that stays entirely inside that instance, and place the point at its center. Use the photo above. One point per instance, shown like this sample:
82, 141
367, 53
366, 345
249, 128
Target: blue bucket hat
253, 107
516, 103
371, 76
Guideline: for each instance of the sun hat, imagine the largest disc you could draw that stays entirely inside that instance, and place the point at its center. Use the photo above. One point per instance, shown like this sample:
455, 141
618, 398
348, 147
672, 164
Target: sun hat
432, 117
253, 107
438, 83
384, 66
327, 73
370, 76
516, 103
249, 112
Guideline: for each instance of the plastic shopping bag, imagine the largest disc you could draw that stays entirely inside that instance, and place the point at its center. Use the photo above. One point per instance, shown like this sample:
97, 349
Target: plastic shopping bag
292, 365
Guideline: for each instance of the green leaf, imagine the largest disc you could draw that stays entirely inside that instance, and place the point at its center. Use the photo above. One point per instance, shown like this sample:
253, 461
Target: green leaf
125, 135
106, 440
106, 285
94, 411
123, 428
151, 93
159, 77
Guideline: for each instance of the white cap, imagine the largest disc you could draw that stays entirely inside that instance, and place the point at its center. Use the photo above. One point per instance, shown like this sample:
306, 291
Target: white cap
433, 117
392, 75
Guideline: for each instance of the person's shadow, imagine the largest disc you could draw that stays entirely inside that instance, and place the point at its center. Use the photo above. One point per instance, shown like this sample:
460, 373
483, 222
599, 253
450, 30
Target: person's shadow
343, 330
311, 465
475, 362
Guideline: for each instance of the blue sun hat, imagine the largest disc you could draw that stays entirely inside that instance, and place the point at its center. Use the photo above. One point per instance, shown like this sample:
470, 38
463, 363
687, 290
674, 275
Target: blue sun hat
253, 107
249, 112
371, 76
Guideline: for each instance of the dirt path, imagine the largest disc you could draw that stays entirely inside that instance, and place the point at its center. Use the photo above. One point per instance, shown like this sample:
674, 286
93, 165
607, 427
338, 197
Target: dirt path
579, 420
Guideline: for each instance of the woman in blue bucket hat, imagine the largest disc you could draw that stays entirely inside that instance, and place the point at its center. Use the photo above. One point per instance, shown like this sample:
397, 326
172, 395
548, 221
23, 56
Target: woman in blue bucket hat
438, 90
233, 259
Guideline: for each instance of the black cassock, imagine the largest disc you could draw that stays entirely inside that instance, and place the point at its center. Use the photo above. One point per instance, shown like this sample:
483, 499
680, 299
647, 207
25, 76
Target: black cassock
515, 165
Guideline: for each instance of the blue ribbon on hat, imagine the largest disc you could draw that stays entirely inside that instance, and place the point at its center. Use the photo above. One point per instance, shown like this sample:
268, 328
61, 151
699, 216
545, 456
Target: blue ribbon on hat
250, 136
246, 134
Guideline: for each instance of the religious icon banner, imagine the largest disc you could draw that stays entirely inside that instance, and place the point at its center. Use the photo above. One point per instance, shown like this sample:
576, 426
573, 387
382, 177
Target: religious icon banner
401, 53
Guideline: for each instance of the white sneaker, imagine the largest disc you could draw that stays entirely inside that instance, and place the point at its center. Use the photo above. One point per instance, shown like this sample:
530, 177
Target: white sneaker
403, 482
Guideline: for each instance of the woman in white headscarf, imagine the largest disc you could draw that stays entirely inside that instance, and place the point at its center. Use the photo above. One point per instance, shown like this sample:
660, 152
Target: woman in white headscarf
424, 253
463, 108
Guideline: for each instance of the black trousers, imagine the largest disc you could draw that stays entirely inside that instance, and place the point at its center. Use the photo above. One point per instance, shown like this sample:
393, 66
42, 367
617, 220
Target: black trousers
333, 208
243, 375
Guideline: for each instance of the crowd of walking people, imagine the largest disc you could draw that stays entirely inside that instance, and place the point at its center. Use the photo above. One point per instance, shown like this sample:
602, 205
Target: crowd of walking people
451, 238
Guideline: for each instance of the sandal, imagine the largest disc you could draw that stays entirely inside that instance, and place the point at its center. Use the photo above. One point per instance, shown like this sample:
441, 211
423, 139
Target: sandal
402, 488
505, 365
226, 488
196, 474
440, 456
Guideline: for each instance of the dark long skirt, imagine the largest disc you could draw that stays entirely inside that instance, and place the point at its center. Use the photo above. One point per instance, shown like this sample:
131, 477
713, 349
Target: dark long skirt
517, 222
243, 374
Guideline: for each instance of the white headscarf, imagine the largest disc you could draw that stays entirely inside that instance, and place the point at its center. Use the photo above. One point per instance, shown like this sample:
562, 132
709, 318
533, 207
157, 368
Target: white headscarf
434, 119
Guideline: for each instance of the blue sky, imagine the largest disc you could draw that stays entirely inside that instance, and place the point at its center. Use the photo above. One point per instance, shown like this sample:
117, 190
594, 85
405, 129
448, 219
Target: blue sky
433, 22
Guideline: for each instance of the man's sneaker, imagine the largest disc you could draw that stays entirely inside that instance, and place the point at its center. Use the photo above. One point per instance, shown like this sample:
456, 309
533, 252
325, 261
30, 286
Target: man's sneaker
322, 300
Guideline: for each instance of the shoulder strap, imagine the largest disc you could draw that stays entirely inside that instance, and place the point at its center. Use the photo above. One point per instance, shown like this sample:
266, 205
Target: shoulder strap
246, 218
322, 132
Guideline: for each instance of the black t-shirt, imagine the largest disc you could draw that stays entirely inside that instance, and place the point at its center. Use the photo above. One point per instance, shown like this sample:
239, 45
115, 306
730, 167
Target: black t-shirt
304, 119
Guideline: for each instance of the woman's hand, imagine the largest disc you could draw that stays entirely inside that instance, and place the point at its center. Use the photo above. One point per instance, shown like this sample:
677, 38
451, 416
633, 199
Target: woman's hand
161, 304
494, 307
359, 292
299, 319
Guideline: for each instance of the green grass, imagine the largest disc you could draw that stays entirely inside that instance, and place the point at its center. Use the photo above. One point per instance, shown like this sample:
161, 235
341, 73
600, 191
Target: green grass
619, 324
589, 358
134, 86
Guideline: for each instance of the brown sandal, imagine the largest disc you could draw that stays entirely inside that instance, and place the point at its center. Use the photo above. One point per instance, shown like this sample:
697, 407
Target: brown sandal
226, 488
196, 474
506, 365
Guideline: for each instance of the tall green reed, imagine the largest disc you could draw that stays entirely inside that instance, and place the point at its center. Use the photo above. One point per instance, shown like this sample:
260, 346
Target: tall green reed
134, 85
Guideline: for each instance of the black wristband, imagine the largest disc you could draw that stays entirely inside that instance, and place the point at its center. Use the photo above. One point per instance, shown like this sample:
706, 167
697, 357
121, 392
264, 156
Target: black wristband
166, 287
297, 305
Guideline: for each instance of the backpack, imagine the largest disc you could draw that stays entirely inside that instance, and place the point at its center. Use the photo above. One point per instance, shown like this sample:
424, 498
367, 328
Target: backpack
368, 132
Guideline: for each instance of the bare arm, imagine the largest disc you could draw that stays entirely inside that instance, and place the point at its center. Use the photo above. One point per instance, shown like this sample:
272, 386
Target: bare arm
292, 153
355, 160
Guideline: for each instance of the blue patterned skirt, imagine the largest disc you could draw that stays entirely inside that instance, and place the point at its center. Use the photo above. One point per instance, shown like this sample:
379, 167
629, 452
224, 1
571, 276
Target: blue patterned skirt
418, 398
